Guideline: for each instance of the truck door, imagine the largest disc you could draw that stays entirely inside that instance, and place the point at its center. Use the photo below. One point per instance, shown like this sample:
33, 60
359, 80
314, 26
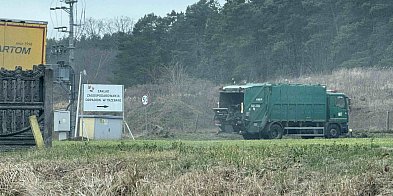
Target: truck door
257, 106
338, 108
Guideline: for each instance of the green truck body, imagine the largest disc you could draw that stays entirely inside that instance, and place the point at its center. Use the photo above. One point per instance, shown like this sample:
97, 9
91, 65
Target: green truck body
272, 110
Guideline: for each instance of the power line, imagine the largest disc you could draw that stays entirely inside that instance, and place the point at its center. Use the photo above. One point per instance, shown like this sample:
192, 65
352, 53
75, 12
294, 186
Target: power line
70, 29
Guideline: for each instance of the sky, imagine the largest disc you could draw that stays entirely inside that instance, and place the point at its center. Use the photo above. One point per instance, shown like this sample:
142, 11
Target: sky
38, 10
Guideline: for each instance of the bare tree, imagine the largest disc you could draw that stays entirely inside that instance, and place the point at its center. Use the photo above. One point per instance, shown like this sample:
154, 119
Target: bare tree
175, 75
99, 27
97, 62
93, 27
123, 24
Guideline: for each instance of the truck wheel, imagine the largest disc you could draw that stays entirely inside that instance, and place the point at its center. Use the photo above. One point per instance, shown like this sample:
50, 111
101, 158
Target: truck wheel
333, 131
275, 131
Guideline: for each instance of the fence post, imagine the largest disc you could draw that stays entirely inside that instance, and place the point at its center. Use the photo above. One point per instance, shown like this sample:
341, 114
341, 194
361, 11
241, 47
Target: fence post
387, 121
48, 106
35, 128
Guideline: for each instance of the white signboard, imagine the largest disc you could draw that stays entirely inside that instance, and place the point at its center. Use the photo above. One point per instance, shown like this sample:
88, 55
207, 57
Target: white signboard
100, 98
145, 100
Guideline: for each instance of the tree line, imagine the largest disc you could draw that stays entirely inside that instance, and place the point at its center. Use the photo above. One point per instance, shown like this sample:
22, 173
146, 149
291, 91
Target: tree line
252, 40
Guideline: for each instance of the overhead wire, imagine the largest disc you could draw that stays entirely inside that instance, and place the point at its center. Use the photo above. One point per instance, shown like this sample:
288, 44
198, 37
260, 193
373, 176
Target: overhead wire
57, 19
84, 15
77, 27
55, 24
80, 21
76, 19
51, 21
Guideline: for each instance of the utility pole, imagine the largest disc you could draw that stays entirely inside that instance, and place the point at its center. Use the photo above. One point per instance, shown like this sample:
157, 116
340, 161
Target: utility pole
71, 57
71, 46
70, 11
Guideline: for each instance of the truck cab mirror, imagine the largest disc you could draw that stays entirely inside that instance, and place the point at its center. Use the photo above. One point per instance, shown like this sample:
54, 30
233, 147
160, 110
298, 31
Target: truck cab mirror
349, 103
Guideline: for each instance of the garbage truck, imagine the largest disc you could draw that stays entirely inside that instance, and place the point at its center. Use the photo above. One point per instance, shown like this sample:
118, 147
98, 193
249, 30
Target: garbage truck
269, 111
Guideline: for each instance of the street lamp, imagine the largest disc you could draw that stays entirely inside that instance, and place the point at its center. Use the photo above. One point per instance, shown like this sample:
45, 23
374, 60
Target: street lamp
78, 103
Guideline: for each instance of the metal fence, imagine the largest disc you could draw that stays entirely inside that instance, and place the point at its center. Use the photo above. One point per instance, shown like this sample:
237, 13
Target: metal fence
24, 93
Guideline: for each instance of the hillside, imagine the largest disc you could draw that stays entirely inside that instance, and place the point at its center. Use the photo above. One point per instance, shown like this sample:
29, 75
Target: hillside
187, 106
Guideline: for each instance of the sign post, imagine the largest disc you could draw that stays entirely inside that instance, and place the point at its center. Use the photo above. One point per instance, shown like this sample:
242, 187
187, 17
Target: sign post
103, 98
145, 101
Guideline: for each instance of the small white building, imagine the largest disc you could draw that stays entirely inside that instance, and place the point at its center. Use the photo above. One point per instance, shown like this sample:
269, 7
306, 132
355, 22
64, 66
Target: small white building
101, 127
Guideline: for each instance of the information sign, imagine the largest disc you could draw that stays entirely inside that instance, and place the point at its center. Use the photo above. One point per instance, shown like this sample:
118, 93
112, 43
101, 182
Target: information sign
100, 97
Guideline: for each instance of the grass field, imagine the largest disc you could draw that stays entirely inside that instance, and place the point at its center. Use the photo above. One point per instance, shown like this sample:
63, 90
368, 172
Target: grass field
173, 167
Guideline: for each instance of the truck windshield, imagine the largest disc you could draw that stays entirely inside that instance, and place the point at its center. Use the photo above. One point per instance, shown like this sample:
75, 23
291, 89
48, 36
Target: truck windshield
229, 100
340, 102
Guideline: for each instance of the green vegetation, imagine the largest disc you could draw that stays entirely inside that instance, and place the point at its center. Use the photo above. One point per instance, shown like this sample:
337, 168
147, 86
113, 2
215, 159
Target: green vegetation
258, 40
181, 58
253, 40
267, 167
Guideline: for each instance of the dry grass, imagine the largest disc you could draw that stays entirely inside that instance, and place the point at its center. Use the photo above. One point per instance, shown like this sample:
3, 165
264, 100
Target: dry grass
186, 106
92, 179
286, 167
